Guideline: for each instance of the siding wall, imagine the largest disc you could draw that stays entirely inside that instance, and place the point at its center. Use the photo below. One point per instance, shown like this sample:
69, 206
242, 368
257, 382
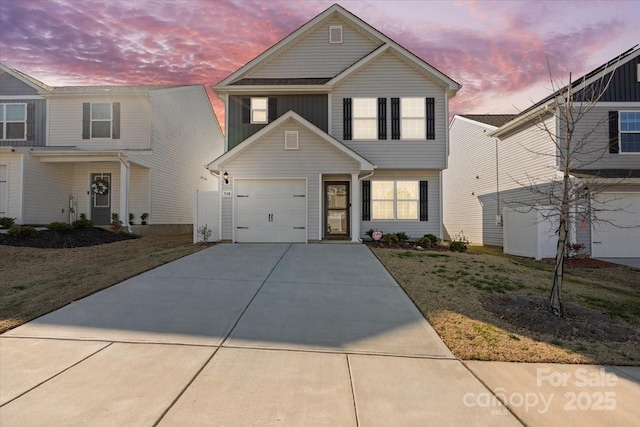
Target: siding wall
10, 85
414, 229
40, 123
267, 158
82, 184
13, 163
314, 56
139, 191
314, 108
388, 76
66, 123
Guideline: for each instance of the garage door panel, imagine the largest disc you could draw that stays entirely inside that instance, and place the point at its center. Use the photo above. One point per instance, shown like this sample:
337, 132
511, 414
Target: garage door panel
617, 233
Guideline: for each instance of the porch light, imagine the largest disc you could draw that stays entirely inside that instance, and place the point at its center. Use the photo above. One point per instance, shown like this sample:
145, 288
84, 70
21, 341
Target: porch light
226, 177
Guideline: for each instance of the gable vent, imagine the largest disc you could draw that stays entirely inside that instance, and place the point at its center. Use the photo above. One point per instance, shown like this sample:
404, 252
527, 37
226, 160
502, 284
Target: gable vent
291, 140
335, 34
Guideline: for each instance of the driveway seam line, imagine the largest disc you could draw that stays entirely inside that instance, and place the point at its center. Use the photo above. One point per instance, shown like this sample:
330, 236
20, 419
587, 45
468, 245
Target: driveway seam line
233, 326
353, 391
184, 389
56, 375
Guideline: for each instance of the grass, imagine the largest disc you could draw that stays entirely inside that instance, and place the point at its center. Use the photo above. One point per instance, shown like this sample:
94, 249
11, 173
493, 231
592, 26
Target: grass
458, 294
34, 281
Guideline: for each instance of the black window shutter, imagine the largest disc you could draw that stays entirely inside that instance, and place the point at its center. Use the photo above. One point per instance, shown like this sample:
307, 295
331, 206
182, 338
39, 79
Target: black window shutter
424, 205
613, 132
431, 118
366, 200
273, 109
115, 125
246, 110
346, 116
382, 118
395, 118
31, 110
86, 120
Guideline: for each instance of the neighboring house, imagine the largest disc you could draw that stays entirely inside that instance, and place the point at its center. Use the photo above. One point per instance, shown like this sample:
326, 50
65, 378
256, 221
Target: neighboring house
493, 157
148, 144
331, 132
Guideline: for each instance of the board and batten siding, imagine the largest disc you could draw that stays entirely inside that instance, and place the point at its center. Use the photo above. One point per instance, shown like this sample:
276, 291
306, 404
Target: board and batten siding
388, 76
65, 122
12, 86
314, 57
624, 85
593, 128
469, 184
39, 124
185, 137
12, 162
267, 158
312, 107
415, 229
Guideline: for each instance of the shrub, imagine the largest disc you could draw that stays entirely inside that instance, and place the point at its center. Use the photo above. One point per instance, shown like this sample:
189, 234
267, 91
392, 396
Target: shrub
391, 238
370, 233
83, 222
116, 224
402, 236
459, 242
6, 222
22, 231
428, 241
59, 227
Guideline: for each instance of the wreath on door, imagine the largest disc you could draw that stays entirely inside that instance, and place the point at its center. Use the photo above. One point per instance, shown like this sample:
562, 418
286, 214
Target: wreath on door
100, 187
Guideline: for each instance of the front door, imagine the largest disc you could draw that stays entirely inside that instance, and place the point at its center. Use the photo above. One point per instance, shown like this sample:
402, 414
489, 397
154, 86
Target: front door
101, 198
336, 202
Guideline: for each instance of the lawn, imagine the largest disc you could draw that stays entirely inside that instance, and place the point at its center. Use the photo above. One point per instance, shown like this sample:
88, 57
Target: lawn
37, 281
490, 306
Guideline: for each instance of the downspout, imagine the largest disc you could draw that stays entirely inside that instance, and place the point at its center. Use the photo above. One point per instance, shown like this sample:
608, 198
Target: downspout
126, 219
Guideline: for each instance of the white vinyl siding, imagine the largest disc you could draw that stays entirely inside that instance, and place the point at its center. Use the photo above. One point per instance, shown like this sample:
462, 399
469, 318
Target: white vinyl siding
267, 159
139, 191
388, 76
412, 118
12, 164
82, 185
47, 188
65, 123
365, 118
312, 56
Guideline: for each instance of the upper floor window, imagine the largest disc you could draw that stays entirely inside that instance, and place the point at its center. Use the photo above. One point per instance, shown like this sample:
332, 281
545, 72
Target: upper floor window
365, 118
412, 118
101, 120
13, 121
630, 131
335, 34
259, 110
394, 200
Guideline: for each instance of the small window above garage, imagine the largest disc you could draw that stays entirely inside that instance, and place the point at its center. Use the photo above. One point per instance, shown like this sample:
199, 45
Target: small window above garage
291, 140
335, 34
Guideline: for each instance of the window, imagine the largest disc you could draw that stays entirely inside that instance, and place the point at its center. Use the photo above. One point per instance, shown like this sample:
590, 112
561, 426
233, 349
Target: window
259, 107
291, 140
335, 34
412, 121
13, 121
101, 120
630, 131
365, 118
394, 200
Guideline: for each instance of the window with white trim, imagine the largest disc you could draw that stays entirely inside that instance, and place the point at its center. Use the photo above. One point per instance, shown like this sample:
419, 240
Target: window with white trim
412, 118
13, 121
335, 34
101, 120
365, 118
392, 200
291, 140
630, 131
259, 110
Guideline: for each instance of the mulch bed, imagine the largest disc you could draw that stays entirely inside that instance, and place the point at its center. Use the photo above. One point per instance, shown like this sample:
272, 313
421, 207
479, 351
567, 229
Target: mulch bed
588, 263
73, 239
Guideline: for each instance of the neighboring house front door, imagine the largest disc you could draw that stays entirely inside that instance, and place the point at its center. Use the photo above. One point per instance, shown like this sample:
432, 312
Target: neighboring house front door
101, 198
337, 205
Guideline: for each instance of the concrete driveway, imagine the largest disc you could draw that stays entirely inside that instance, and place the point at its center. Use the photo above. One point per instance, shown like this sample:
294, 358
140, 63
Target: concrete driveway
296, 335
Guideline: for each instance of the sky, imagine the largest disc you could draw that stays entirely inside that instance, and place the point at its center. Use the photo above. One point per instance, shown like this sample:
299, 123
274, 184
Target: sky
500, 51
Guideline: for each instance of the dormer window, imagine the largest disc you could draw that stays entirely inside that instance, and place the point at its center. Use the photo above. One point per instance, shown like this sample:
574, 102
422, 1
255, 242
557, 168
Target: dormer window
335, 34
259, 110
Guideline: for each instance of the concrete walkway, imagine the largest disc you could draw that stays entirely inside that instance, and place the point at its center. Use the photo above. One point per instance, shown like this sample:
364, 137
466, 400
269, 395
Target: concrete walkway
296, 335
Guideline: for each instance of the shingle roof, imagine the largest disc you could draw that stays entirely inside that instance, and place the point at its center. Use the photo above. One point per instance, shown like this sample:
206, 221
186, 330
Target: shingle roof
110, 89
608, 173
268, 82
496, 120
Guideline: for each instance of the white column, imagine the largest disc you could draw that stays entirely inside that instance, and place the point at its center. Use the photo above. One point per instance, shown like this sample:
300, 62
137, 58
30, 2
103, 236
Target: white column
124, 194
355, 208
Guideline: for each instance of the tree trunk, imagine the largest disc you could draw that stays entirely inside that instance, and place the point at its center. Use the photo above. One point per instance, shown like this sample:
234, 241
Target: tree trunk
555, 301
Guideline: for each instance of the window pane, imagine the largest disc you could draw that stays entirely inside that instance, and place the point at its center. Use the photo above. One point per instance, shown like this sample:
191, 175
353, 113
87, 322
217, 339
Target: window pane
413, 129
259, 116
630, 142
1, 113
101, 111
15, 131
382, 190
16, 113
100, 129
408, 210
258, 103
365, 108
407, 190
630, 121
365, 129
412, 107
382, 210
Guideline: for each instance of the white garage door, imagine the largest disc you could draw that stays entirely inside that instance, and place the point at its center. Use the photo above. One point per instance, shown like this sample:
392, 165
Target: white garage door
617, 235
271, 210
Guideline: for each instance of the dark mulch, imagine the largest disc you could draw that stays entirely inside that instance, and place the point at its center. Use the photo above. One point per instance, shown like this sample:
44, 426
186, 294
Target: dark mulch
532, 313
588, 263
72, 239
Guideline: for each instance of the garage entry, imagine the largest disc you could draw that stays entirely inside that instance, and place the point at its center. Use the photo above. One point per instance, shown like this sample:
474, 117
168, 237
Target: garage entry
270, 210
609, 240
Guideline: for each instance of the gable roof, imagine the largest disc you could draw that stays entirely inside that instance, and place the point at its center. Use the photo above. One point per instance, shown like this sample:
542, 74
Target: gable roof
337, 10
34, 83
244, 145
495, 120
550, 102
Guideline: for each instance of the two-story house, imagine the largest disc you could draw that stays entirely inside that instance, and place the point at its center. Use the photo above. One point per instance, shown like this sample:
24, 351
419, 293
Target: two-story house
333, 131
99, 150
496, 161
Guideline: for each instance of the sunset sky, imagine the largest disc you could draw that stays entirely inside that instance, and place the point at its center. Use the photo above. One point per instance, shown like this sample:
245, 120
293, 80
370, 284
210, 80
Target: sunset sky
497, 49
